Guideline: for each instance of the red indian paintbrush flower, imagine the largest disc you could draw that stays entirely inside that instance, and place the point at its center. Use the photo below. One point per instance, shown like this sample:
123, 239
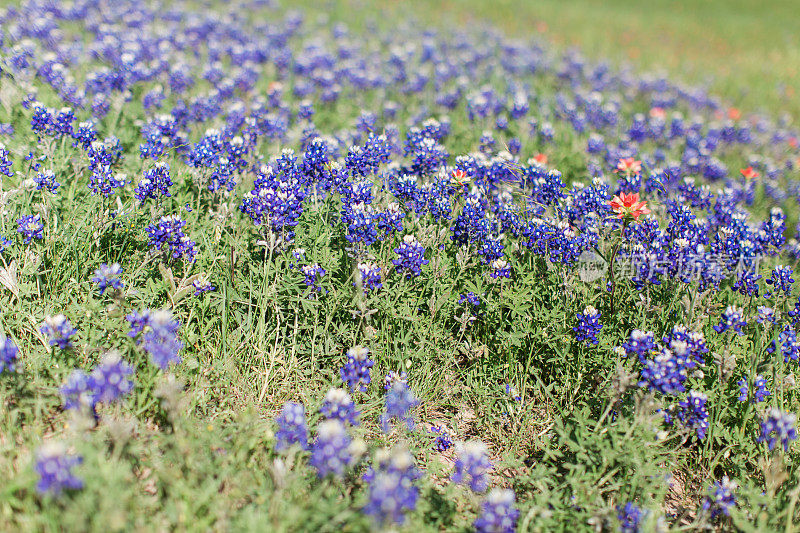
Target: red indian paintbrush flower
629, 166
459, 177
749, 173
540, 159
628, 206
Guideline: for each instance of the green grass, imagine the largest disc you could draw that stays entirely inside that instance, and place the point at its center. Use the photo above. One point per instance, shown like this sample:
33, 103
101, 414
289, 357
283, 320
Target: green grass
746, 51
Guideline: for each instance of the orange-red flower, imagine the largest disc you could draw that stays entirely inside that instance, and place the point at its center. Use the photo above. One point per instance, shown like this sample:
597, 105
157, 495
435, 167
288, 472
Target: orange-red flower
749, 173
459, 177
658, 112
734, 114
628, 206
540, 158
629, 166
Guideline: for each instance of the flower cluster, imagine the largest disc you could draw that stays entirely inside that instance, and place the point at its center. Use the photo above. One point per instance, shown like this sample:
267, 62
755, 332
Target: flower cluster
107, 383
399, 401
167, 235
356, 372
8, 355
472, 465
333, 450
108, 276
391, 486
157, 334
31, 227
292, 427
313, 275
732, 319
498, 514
339, 406
411, 257
55, 469
778, 426
442, 442
721, 498
588, 326
58, 331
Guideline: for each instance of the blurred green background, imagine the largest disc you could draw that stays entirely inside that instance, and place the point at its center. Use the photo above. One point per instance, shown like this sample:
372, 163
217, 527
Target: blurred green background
747, 51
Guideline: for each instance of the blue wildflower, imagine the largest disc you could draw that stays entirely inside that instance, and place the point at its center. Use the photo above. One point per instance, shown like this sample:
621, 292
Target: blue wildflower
339, 406
55, 469
58, 330
472, 465
292, 427
355, 373
108, 276
498, 514
399, 401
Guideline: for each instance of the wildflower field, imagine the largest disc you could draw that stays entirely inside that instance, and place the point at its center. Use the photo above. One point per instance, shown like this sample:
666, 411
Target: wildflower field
356, 266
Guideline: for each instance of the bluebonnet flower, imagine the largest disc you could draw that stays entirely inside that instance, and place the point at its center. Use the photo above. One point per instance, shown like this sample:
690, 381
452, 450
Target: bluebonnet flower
721, 498
155, 183
5, 162
472, 465
5, 244
167, 236
743, 389
399, 401
55, 469
778, 426
360, 219
58, 331
765, 315
42, 121
390, 220
641, 344
277, 197
298, 254
500, 269
761, 391
77, 392
46, 180
689, 346
781, 279
355, 373
313, 274
473, 300
411, 257
31, 227
664, 372
368, 277
443, 441
109, 380
339, 405
292, 427
512, 392
202, 284
788, 343
630, 518
693, 413
498, 514
108, 276
8, 355
158, 335
391, 486
732, 319
332, 450
588, 326
747, 282
393, 377
84, 135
